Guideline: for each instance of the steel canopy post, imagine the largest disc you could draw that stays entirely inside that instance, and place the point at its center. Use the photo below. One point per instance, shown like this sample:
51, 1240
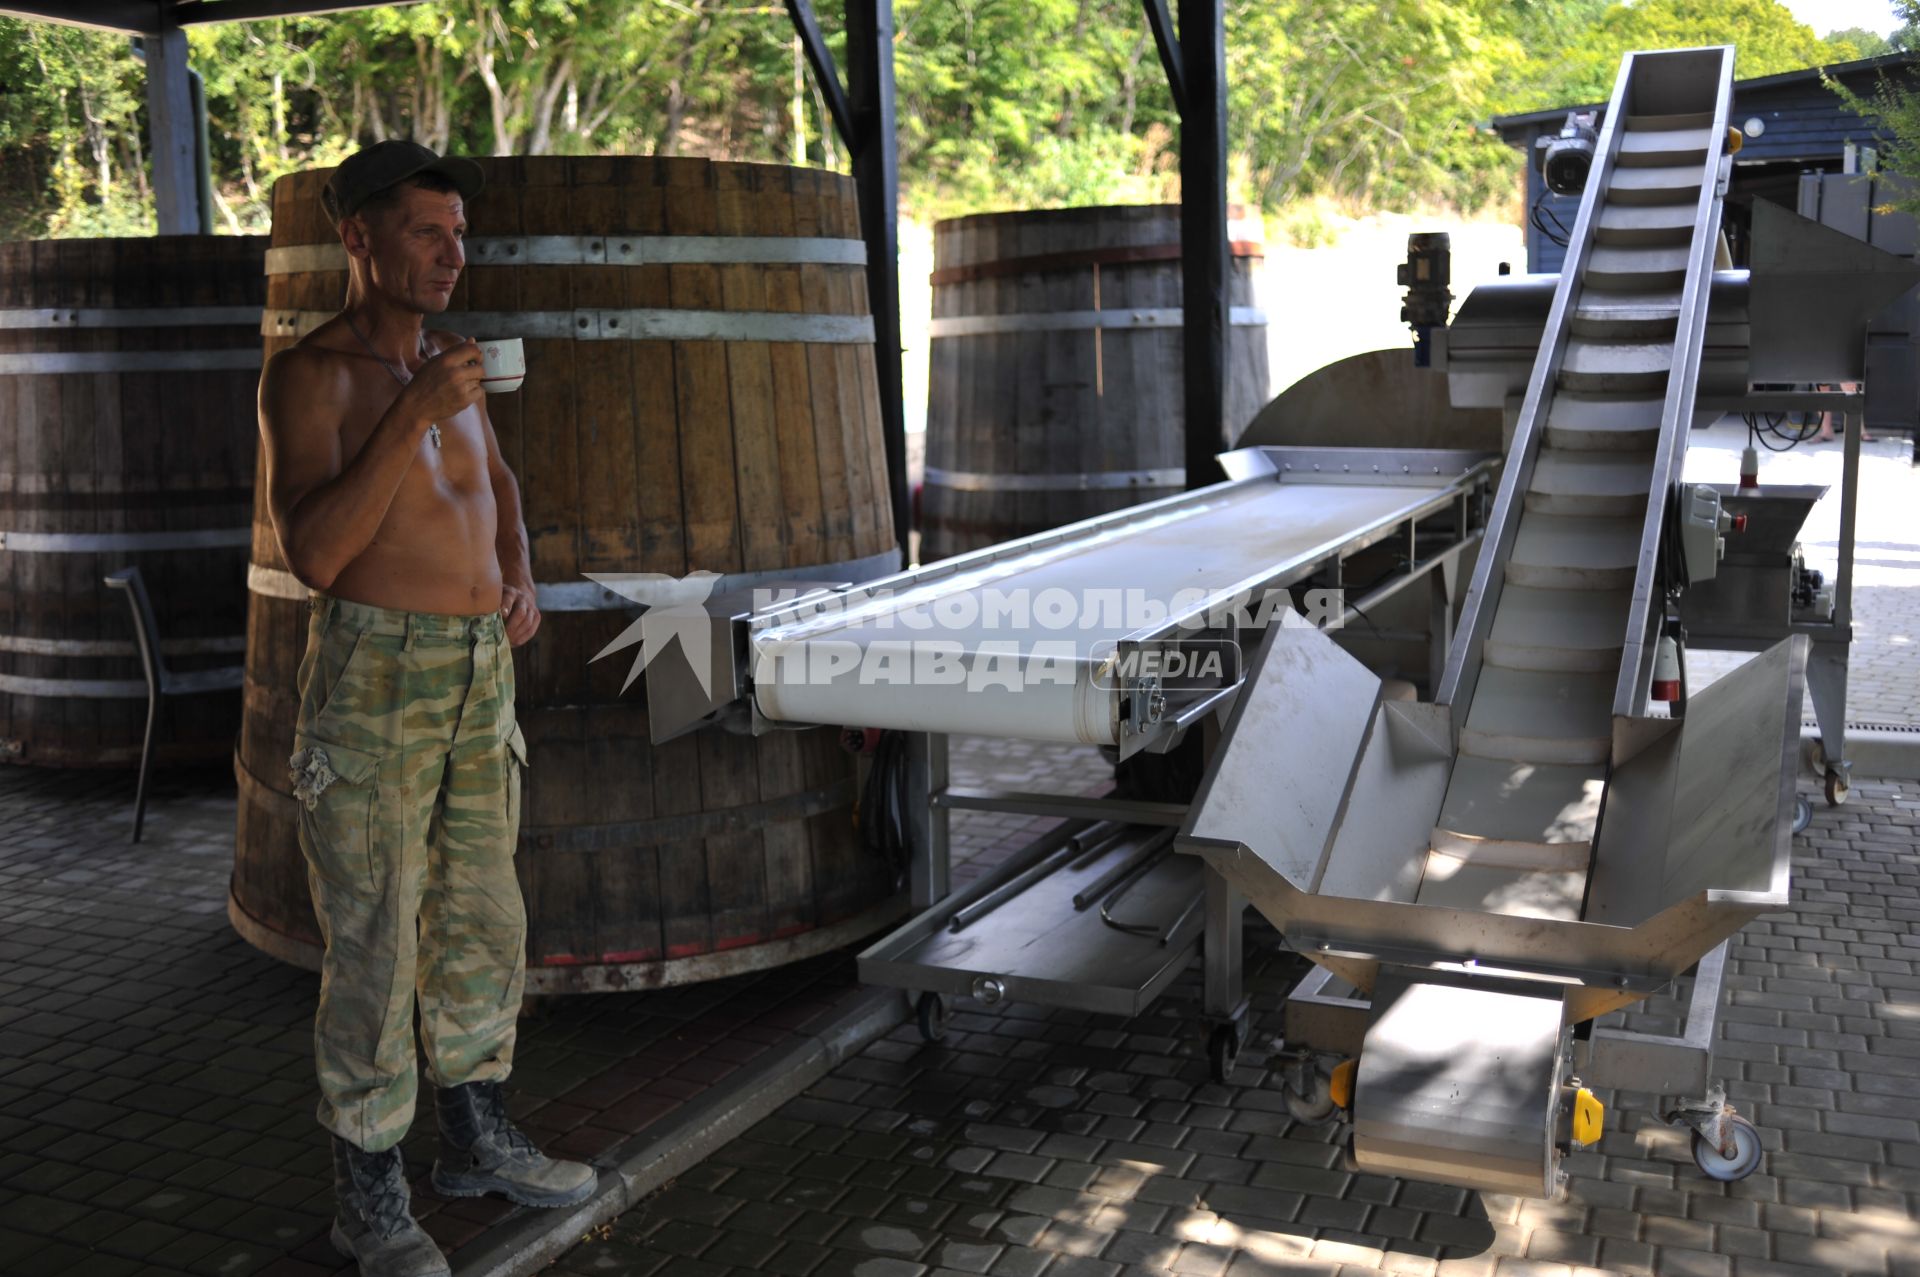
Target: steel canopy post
863, 115
876, 175
1203, 231
175, 136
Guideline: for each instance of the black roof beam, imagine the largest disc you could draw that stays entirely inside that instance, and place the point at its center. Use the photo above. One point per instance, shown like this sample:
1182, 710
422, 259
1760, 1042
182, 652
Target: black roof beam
1168, 44
825, 74
130, 17
189, 12
150, 17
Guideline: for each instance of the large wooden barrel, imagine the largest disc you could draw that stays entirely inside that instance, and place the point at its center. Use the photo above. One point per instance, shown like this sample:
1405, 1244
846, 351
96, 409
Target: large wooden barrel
127, 375
1055, 386
700, 396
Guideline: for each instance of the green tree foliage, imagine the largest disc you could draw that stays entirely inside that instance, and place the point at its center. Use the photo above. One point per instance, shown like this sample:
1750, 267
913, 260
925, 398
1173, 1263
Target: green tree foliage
70, 133
1767, 37
1853, 43
1370, 99
1002, 103
1017, 102
1896, 101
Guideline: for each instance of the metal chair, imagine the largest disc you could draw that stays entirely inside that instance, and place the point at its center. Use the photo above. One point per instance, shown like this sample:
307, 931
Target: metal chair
161, 681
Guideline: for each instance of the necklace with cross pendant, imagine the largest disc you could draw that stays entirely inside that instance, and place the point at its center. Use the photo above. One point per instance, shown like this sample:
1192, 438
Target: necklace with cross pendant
399, 374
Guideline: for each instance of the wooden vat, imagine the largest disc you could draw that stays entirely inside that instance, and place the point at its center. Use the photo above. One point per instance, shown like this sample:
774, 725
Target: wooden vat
1055, 387
127, 376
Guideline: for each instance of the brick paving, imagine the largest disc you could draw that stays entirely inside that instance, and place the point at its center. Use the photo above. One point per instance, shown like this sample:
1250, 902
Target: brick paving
156, 1072
156, 1083
1042, 1143
979, 838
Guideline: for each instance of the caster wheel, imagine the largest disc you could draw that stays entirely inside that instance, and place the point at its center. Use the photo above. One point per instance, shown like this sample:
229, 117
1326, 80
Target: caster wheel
1802, 814
931, 1012
1714, 1164
1223, 1051
1316, 1107
1836, 787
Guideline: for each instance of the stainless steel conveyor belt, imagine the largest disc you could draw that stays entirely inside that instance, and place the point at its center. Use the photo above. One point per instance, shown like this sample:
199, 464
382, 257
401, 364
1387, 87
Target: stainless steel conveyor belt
1031, 639
1037, 639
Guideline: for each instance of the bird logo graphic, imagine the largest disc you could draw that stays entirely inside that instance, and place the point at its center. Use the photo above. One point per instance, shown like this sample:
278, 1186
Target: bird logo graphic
675, 611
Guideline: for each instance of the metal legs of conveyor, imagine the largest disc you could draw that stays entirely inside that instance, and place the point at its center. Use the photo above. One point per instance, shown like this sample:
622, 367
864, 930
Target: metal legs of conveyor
1096, 915
930, 867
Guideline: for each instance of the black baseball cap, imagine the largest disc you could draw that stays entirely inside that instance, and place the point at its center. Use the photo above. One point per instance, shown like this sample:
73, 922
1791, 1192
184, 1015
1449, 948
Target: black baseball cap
373, 169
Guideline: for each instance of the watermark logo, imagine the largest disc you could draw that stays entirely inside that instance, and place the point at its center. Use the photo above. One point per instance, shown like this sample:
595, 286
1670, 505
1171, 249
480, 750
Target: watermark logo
1173, 665
981, 638
675, 612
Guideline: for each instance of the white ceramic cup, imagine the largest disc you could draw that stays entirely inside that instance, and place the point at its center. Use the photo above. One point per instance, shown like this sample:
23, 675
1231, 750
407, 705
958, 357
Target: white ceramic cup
503, 365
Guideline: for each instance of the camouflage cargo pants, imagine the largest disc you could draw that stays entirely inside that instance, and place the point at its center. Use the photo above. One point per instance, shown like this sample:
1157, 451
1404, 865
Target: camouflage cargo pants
406, 766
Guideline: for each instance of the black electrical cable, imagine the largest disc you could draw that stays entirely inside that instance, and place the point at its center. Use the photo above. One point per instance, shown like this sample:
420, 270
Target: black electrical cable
1761, 425
1539, 215
884, 804
1566, 232
1400, 564
1805, 428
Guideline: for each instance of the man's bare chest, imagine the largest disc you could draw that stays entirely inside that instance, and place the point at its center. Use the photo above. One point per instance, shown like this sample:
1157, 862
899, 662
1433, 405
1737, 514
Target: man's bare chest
455, 460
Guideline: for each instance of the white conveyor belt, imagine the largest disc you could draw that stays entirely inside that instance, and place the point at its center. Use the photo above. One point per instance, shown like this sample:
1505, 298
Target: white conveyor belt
1011, 641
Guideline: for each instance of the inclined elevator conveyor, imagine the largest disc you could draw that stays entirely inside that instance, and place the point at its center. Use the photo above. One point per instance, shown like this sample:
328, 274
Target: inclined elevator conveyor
1540, 845
1570, 604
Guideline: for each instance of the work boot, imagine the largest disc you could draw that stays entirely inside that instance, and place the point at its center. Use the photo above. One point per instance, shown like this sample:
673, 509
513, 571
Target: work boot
481, 1151
374, 1224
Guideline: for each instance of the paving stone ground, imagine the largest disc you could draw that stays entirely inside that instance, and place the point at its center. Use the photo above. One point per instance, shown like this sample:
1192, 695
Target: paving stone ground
156, 1072
1044, 1143
156, 1085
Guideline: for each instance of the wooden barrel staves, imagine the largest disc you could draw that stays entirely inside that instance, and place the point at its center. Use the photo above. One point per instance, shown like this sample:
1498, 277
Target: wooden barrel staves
127, 376
700, 396
1055, 388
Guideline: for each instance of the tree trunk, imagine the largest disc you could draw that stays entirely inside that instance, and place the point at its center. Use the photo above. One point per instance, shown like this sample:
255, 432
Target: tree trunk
541, 140
829, 153
799, 104
280, 116
226, 212
99, 145
676, 114
498, 99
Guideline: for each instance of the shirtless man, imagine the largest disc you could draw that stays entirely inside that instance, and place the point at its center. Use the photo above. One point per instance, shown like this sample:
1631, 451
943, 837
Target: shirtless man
392, 503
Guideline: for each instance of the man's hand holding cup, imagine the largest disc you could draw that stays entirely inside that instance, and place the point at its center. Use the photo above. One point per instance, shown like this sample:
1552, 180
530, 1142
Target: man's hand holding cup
447, 384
